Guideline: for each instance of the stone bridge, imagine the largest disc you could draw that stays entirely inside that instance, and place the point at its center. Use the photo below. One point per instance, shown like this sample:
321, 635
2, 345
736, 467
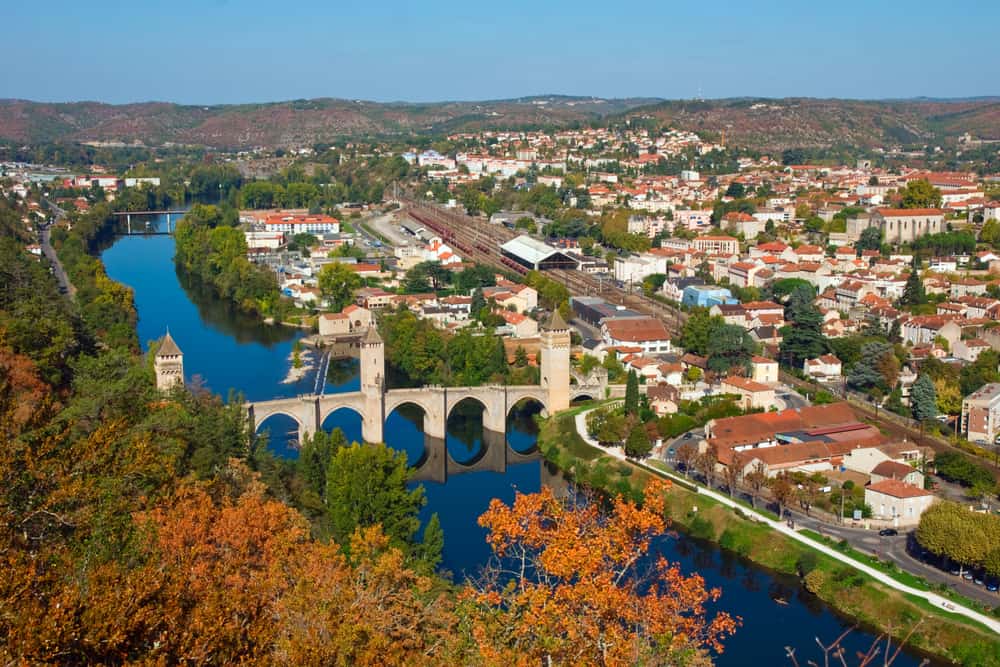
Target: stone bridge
559, 386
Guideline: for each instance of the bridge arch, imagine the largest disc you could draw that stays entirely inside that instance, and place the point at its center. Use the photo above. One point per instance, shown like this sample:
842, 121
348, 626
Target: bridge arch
405, 430
521, 434
466, 441
348, 419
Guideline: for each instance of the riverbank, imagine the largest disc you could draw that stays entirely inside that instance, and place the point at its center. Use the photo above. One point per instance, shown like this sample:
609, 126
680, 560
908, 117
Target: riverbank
853, 589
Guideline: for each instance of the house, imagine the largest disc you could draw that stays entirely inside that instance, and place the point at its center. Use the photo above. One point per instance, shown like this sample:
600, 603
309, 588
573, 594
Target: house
753, 395
898, 471
763, 370
648, 333
299, 223
373, 298
826, 368
969, 350
351, 319
898, 502
517, 324
663, 399
742, 274
731, 313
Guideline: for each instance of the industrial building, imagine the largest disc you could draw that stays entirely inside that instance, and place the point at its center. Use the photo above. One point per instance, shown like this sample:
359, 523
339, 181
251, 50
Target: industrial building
536, 255
593, 310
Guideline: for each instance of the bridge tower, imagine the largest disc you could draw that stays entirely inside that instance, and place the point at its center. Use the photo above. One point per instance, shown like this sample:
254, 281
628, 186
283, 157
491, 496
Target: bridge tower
168, 363
555, 347
373, 385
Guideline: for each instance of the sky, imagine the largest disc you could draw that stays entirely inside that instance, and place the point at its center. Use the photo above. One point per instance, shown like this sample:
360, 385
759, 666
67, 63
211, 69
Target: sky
234, 51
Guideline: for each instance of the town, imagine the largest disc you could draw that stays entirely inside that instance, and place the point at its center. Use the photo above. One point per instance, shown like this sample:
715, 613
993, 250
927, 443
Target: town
822, 338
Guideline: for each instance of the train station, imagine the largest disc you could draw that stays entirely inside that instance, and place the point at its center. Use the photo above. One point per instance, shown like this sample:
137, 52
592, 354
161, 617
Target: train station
536, 255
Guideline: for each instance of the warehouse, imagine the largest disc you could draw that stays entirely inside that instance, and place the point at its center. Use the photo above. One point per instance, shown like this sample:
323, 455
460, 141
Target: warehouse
593, 310
535, 255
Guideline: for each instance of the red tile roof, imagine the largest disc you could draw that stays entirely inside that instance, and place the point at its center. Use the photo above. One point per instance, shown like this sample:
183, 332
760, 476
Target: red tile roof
897, 489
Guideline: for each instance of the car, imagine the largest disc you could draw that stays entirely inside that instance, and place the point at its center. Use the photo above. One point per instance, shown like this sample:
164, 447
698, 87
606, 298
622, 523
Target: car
977, 581
888, 532
967, 576
956, 572
992, 586
688, 435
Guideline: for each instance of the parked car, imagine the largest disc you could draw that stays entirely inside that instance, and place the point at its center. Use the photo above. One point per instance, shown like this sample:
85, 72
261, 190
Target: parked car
967, 576
992, 586
888, 532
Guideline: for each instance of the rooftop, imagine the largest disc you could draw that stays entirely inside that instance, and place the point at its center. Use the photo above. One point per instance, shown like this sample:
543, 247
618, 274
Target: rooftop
897, 489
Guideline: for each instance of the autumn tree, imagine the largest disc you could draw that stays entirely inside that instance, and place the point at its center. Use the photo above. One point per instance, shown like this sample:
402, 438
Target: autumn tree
784, 491
705, 463
920, 194
733, 472
756, 479
686, 456
545, 600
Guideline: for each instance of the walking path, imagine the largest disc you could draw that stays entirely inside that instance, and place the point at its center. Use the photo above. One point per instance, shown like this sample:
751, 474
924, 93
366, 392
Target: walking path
780, 526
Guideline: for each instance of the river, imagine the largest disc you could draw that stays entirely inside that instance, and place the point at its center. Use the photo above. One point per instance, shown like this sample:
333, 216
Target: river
226, 351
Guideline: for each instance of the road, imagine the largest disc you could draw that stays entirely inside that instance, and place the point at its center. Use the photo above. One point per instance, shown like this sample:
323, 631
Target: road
65, 286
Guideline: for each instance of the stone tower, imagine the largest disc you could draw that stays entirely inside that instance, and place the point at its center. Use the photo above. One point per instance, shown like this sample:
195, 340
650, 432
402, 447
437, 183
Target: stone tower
373, 384
555, 362
169, 364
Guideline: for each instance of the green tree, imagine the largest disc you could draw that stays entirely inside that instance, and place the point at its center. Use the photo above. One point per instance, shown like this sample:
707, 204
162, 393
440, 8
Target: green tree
870, 239
697, 331
913, 291
337, 283
367, 485
923, 398
432, 543
920, 194
990, 233
637, 445
730, 346
803, 339
632, 393
874, 370
982, 371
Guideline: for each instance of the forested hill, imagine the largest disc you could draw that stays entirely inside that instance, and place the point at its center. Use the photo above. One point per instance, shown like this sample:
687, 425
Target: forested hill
762, 124
284, 124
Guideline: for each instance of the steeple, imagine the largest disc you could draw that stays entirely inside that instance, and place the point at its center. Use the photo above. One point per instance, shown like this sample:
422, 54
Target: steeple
372, 337
556, 322
168, 348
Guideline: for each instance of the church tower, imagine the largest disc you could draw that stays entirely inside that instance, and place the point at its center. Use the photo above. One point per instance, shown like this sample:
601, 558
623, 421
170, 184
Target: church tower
169, 364
555, 362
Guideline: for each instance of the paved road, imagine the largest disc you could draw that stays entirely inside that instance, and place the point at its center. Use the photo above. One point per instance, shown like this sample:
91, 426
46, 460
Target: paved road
782, 527
65, 286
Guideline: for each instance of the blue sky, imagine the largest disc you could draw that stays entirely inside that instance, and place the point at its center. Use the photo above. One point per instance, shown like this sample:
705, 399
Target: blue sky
226, 51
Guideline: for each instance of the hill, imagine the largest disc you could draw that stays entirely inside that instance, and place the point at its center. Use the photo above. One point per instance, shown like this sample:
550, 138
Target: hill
763, 124
283, 124
777, 124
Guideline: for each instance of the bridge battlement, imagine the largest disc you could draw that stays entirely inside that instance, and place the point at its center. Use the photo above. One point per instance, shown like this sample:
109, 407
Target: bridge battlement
374, 403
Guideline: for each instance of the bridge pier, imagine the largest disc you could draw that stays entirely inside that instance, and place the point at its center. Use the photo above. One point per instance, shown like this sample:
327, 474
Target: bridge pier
128, 222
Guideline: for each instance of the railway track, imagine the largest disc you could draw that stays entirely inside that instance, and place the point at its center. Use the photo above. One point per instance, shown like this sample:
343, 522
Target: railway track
480, 241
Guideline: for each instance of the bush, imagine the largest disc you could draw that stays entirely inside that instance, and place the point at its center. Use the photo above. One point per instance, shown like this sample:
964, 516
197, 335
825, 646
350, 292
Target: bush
701, 528
806, 563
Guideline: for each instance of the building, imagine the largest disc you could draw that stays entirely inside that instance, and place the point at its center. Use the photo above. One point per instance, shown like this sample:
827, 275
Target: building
900, 472
298, 223
905, 225
898, 502
168, 364
826, 368
533, 254
352, 319
981, 413
648, 333
706, 296
753, 395
594, 310
763, 370
717, 245
555, 376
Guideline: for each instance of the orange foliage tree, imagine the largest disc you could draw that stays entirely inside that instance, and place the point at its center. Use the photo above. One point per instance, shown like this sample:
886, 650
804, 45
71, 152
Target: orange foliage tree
565, 588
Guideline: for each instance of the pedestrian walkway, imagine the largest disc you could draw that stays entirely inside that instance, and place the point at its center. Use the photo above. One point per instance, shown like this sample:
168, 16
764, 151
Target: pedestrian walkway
936, 600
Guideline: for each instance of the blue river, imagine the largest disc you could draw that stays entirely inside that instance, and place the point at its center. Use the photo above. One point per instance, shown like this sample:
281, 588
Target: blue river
226, 351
